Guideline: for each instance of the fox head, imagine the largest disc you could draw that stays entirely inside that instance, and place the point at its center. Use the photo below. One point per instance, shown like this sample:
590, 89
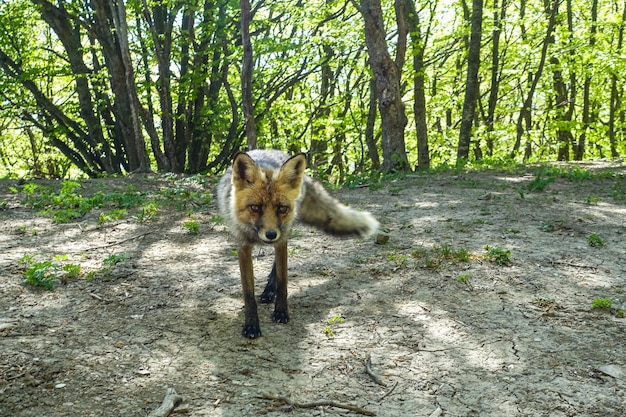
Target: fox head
264, 198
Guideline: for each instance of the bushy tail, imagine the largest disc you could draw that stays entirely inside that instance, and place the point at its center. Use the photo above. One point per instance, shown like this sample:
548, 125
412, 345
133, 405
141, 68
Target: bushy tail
320, 209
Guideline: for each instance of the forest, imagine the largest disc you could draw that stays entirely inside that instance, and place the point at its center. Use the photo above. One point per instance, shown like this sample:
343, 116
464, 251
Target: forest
110, 87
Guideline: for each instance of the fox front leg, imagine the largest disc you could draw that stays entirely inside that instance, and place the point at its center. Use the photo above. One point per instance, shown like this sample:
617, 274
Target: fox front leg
251, 328
269, 293
281, 314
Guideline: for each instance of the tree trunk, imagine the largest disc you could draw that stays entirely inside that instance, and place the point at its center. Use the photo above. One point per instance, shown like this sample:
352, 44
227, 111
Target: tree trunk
498, 17
616, 96
160, 24
472, 84
418, 46
387, 77
246, 76
523, 124
370, 138
138, 145
69, 34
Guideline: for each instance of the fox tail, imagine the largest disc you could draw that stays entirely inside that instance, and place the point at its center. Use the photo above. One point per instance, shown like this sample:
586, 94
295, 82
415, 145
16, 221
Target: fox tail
318, 208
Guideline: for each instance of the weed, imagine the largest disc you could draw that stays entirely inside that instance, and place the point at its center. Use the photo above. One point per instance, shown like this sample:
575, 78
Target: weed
595, 241
399, 260
592, 201
216, 218
68, 204
42, 274
465, 279
192, 226
329, 331
45, 273
148, 212
539, 183
72, 270
602, 304
335, 319
113, 259
113, 215
498, 255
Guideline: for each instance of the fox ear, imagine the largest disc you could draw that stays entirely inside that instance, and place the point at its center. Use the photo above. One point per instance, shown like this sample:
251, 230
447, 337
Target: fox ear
245, 170
292, 171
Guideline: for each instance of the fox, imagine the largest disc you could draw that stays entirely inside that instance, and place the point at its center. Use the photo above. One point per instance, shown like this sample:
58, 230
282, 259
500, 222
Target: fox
260, 196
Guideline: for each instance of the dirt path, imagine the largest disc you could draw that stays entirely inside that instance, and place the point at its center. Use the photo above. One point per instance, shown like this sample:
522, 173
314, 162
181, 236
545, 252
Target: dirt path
447, 329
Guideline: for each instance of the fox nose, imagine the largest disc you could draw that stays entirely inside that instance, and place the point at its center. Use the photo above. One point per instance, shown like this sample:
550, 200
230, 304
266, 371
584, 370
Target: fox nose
271, 234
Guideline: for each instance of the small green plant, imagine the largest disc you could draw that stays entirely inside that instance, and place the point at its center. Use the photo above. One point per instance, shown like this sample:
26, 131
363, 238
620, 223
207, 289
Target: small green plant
602, 304
465, 279
192, 226
148, 212
42, 274
498, 255
595, 241
113, 259
46, 273
113, 215
329, 331
71, 270
335, 319
539, 183
592, 201
398, 260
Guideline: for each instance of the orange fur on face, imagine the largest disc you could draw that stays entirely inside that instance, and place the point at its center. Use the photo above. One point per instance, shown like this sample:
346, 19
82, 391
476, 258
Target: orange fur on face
265, 198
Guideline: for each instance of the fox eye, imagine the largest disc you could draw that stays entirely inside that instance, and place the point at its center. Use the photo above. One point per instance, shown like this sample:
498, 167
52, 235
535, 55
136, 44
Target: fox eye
256, 208
283, 209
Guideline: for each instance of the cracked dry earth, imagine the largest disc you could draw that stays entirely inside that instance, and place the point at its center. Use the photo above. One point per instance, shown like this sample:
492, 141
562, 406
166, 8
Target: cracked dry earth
442, 334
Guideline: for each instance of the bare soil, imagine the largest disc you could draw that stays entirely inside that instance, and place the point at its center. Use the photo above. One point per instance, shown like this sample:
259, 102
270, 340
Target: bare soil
443, 336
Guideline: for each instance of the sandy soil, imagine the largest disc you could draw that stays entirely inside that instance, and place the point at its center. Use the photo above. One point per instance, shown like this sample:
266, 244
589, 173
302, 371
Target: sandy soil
446, 330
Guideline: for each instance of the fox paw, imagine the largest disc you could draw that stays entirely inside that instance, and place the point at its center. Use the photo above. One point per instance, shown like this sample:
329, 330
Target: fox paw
268, 296
251, 332
280, 317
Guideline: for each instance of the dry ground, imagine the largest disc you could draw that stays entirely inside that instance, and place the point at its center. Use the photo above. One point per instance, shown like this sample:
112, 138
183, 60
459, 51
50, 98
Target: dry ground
447, 336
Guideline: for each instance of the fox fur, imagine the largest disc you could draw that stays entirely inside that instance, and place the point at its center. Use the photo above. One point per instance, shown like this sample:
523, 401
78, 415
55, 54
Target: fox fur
260, 196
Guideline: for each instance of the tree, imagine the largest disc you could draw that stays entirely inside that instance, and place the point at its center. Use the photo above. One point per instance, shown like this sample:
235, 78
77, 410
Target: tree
472, 85
246, 75
524, 118
388, 93
418, 46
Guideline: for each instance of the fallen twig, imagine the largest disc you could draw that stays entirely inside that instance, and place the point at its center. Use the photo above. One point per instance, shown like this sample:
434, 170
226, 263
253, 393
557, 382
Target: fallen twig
389, 391
171, 400
573, 265
372, 374
320, 403
119, 242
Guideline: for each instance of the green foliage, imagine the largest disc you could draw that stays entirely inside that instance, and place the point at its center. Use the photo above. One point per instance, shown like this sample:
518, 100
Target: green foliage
498, 255
148, 212
311, 90
69, 204
465, 279
595, 241
113, 259
42, 274
329, 330
192, 226
435, 258
602, 304
539, 183
45, 273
